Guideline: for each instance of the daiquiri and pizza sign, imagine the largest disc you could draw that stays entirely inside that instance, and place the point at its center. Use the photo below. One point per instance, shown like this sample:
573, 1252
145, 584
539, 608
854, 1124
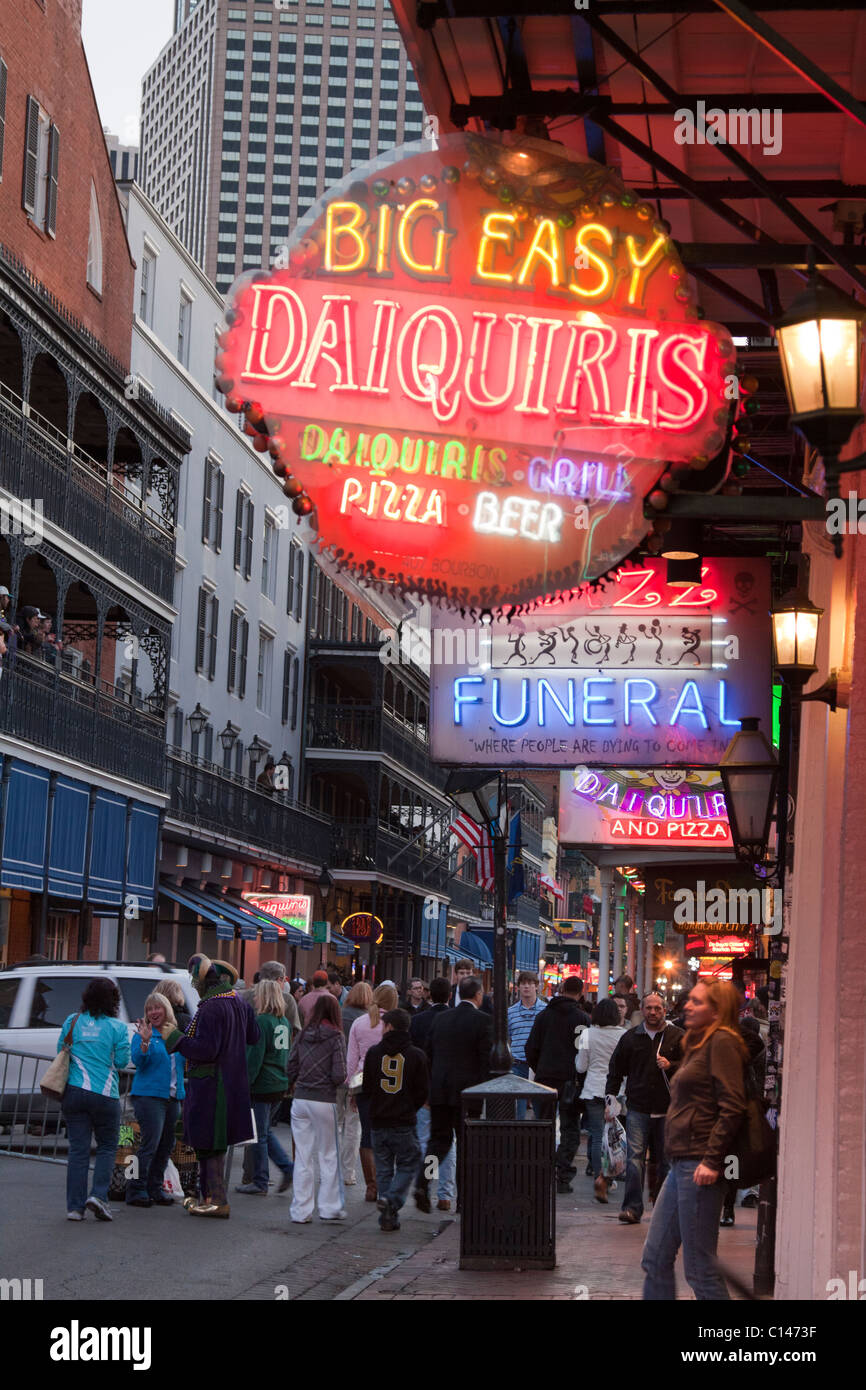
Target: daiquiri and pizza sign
470, 367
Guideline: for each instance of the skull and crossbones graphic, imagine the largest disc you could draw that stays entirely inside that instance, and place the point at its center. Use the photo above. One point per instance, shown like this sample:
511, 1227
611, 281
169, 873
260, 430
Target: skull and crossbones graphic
744, 583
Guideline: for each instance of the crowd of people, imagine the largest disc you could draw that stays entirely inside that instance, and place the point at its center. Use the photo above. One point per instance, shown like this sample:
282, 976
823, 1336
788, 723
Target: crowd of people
30, 631
365, 1077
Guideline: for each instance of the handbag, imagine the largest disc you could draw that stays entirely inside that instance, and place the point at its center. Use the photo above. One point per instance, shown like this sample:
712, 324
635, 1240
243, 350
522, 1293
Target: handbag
755, 1147
54, 1082
356, 1084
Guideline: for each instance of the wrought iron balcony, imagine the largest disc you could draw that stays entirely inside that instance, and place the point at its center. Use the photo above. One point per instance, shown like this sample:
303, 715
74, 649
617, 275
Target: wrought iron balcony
92, 723
209, 798
77, 493
368, 846
364, 729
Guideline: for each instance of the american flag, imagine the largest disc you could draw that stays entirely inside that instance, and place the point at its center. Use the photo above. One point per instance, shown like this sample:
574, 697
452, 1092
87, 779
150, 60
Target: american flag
476, 838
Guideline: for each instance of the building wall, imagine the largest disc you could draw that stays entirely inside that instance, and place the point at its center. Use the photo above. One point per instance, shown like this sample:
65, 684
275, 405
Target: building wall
60, 82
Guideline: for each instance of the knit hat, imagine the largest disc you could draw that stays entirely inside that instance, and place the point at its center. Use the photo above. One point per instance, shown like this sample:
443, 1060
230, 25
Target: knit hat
205, 973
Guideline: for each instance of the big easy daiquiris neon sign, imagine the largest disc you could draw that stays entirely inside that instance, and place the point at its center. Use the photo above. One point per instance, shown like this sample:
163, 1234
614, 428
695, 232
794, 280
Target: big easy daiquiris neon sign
472, 364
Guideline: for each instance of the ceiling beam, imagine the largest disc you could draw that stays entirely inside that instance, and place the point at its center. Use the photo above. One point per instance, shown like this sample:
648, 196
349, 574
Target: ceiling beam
715, 282
784, 49
723, 255
553, 102
733, 189
429, 11
584, 57
793, 214
744, 510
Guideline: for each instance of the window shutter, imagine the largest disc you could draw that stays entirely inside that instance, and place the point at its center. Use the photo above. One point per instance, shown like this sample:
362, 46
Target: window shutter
296, 668
239, 529
299, 585
3, 75
220, 495
287, 671
248, 560
244, 647
315, 574
290, 589
31, 156
205, 506
178, 728
53, 165
200, 630
233, 652
208, 743
214, 623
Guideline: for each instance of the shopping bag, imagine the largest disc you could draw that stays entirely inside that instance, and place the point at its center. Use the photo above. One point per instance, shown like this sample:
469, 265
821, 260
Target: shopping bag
171, 1181
613, 1149
55, 1078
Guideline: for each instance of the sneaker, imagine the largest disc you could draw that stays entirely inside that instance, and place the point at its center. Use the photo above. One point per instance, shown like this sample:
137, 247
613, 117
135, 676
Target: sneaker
340, 1216
727, 1217
422, 1200
250, 1190
388, 1221
75, 1216
285, 1182
100, 1209
304, 1221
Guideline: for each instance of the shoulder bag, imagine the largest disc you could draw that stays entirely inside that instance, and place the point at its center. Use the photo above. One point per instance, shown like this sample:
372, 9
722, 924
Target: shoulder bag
755, 1145
53, 1083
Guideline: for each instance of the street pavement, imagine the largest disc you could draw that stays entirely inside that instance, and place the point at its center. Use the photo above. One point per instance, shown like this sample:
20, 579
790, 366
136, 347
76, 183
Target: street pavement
162, 1253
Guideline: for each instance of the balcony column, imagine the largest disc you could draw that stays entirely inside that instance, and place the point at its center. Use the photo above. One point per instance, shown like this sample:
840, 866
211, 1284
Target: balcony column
606, 876
640, 954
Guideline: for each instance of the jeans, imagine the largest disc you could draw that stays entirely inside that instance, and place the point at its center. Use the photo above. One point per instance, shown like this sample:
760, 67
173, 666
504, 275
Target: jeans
397, 1154
87, 1114
267, 1145
445, 1181
364, 1113
640, 1130
522, 1069
157, 1117
569, 1131
594, 1111
687, 1215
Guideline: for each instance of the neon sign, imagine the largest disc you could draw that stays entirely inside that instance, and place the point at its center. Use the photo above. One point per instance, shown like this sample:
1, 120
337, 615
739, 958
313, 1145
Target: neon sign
631, 677
515, 354
654, 807
294, 909
359, 926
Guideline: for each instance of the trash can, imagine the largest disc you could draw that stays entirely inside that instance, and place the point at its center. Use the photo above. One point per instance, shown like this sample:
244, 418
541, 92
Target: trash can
506, 1179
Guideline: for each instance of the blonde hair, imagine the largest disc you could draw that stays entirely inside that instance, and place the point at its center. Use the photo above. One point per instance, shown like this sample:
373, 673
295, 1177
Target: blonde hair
360, 996
384, 998
722, 996
172, 991
161, 1000
268, 998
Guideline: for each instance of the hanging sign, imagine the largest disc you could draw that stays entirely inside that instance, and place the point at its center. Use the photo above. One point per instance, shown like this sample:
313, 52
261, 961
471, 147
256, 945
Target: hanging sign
642, 674
295, 909
666, 806
471, 364
359, 926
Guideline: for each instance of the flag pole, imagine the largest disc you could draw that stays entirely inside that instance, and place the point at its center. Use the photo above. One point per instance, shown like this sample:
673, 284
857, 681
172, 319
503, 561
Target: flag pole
500, 1056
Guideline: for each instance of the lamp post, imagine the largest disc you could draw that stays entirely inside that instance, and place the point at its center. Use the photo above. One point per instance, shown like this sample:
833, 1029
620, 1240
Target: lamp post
197, 721
820, 348
324, 884
749, 773
255, 752
228, 737
484, 799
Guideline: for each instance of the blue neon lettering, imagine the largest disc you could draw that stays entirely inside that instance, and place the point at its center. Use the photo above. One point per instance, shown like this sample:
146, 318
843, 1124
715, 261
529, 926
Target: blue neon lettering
545, 688
689, 689
524, 705
460, 699
643, 701
723, 687
590, 699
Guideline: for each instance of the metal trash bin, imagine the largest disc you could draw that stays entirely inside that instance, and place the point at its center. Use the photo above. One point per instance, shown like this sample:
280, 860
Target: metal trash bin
506, 1178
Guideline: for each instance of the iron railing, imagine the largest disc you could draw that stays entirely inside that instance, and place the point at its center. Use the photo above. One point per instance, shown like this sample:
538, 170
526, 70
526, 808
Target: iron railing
345, 727
204, 796
366, 845
31, 1125
41, 704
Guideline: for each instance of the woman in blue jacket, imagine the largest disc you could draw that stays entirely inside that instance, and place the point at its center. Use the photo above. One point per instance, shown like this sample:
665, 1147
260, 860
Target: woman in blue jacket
157, 1090
99, 1045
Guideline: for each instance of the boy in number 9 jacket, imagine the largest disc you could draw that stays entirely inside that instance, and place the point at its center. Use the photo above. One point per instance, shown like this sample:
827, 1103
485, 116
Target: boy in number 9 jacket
217, 1108
396, 1084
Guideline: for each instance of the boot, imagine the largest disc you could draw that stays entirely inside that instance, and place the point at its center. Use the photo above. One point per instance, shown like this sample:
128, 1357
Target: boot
214, 1201
368, 1168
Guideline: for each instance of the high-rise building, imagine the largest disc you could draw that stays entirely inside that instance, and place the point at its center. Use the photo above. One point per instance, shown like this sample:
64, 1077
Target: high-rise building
124, 158
253, 109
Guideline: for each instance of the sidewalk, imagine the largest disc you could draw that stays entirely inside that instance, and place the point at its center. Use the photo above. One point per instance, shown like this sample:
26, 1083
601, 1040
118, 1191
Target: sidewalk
597, 1258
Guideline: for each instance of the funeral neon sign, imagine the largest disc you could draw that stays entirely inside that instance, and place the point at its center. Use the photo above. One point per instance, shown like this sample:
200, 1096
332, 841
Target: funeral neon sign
477, 349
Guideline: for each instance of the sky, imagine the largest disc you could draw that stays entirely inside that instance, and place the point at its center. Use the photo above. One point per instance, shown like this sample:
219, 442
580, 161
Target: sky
121, 40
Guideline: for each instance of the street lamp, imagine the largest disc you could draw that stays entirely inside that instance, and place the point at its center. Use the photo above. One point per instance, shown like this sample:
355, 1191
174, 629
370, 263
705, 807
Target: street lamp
228, 737
484, 798
749, 773
820, 348
256, 752
197, 721
325, 884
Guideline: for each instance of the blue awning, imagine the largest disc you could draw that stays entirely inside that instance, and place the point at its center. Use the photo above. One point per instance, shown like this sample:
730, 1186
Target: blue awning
343, 941
251, 921
107, 849
66, 861
202, 907
25, 828
141, 863
475, 946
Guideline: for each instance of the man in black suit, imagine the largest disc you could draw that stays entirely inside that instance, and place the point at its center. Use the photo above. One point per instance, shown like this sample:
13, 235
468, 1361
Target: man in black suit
458, 1046
464, 970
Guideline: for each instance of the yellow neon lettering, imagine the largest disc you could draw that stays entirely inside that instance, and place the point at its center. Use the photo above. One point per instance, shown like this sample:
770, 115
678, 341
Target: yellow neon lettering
352, 490
602, 262
434, 509
383, 237
552, 253
393, 496
412, 507
638, 264
489, 236
422, 207
336, 231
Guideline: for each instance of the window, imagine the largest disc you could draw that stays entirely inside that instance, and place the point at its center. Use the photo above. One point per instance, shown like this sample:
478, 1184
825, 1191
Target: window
269, 560
239, 642
206, 633
244, 534
264, 673
41, 163
212, 505
295, 590
148, 281
94, 245
183, 328
291, 687
54, 999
